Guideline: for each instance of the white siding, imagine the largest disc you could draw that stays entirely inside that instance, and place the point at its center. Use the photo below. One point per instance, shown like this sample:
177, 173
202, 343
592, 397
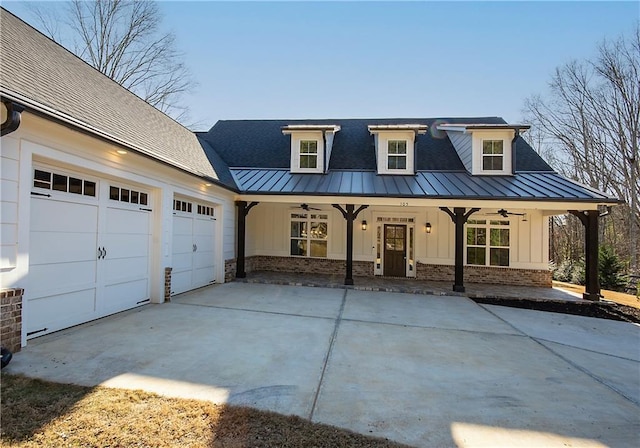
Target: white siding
9, 178
43, 142
268, 234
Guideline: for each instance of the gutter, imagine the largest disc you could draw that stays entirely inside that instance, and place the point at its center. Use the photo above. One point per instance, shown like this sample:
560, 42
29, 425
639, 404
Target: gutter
67, 120
13, 117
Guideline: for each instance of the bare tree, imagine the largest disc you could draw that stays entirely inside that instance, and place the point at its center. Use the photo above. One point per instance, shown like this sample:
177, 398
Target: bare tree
591, 120
123, 40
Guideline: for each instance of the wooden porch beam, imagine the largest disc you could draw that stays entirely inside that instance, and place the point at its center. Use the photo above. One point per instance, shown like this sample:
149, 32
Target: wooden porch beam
459, 216
243, 211
589, 220
350, 215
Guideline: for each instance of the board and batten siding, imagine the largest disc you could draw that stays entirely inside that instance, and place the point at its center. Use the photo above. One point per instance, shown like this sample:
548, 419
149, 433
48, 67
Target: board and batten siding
268, 234
463, 145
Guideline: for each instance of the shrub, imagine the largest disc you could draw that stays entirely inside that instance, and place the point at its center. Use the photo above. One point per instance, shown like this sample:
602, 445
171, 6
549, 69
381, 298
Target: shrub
578, 275
610, 269
562, 272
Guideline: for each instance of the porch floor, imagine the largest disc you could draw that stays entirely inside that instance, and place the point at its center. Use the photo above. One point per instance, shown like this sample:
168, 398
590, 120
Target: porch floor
412, 286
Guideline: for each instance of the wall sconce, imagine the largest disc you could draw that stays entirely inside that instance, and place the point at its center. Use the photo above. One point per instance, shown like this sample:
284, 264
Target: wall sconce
427, 227
364, 225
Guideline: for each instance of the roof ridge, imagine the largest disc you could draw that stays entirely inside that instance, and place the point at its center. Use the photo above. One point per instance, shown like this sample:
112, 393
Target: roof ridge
357, 119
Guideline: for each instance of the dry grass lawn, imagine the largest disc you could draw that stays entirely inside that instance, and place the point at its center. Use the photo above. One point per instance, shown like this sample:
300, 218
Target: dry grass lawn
613, 296
42, 414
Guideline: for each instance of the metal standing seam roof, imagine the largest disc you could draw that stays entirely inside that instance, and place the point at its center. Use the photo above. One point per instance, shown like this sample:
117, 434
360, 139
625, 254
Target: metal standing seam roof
42, 73
538, 186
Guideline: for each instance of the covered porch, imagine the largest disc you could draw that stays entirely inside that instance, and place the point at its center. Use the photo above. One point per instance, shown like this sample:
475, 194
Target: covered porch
432, 240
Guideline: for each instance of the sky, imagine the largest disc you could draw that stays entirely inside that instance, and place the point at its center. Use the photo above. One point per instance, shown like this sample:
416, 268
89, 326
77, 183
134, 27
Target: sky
286, 60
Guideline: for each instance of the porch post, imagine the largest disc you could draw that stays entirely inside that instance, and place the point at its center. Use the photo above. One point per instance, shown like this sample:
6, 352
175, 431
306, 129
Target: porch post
589, 220
350, 215
459, 217
243, 211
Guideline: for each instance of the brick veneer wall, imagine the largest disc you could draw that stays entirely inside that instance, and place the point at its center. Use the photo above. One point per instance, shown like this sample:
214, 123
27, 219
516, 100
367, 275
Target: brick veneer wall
486, 274
167, 284
230, 270
303, 265
11, 318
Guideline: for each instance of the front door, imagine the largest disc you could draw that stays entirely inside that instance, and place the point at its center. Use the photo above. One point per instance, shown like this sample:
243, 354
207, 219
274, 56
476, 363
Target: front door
395, 242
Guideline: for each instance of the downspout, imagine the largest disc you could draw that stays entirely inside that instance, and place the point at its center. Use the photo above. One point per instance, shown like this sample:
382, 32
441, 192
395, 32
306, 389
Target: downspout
324, 150
513, 150
415, 151
11, 117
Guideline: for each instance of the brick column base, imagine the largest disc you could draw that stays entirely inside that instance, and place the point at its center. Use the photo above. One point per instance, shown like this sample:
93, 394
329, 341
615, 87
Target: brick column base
167, 284
11, 318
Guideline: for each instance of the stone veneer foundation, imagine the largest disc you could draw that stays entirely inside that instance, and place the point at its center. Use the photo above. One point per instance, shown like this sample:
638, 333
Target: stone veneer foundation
230, 270
167, 284
427, 272
11, 318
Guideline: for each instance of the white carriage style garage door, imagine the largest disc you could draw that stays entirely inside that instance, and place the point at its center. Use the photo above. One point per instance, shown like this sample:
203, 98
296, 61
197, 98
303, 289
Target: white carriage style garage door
89, 249
193, 245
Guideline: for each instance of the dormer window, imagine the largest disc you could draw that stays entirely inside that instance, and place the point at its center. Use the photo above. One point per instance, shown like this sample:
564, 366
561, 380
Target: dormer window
397, 154
395, 147
485, 149
310, 146
492, 155
308, 154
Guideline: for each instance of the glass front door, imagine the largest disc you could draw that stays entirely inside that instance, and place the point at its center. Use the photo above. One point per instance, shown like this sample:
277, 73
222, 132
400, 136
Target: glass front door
395, 254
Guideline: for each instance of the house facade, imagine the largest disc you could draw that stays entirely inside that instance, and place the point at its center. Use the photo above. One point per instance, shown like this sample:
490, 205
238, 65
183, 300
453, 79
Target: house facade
407, 177
108, 204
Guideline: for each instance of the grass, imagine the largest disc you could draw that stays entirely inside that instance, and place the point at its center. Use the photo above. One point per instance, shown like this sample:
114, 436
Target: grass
613, 296
38, 413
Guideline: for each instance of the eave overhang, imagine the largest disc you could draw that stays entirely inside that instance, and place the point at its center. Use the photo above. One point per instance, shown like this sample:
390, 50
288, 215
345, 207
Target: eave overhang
43, 110
461, 127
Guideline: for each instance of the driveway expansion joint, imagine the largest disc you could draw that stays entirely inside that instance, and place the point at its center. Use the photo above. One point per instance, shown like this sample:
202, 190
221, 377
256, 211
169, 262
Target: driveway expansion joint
248, 310
568, 361
328, 355
431, 327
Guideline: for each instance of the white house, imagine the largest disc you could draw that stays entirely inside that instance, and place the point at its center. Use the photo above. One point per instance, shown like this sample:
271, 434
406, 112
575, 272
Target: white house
108, 204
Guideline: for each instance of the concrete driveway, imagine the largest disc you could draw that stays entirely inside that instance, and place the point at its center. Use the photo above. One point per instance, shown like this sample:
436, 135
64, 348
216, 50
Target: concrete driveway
423, 370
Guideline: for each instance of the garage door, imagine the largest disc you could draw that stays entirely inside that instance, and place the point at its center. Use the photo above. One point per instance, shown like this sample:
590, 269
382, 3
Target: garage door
89, 250
193, 246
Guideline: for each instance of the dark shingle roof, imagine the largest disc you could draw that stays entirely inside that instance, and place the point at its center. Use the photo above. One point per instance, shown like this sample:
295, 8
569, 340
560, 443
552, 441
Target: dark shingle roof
42, 75
261, 144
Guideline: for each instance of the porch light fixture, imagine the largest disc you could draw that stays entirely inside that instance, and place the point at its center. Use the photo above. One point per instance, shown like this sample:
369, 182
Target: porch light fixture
121, 151
364, 224
427, 227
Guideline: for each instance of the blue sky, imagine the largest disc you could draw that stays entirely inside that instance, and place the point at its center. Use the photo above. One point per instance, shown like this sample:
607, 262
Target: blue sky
379, 59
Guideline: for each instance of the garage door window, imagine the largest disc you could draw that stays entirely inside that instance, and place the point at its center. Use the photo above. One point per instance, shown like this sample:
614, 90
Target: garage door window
62, 182
205, 210
128, 195
182, 206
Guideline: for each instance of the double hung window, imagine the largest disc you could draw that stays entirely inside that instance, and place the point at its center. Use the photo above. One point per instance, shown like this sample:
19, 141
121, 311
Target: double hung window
309, 232
492, 155
397, 155
488, 242
308, 154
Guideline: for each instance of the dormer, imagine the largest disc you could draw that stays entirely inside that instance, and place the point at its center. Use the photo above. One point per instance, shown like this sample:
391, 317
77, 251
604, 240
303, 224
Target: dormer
396, 147
485, 149
310, 146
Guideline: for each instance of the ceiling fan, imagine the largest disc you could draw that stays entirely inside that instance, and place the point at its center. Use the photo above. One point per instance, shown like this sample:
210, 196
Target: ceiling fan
505, 214
306, 207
